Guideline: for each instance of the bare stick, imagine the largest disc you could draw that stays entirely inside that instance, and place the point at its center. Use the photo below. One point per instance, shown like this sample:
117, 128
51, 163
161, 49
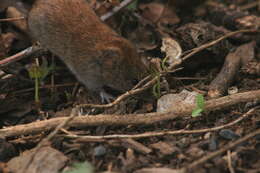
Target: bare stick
163, 133
134, 91
20, 55
12, 19
130, 119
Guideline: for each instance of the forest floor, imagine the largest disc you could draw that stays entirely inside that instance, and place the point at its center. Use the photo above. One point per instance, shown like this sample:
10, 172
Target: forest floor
199, 111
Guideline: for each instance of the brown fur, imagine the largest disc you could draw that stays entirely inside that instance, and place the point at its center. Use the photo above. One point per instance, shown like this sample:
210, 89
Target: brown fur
96, 55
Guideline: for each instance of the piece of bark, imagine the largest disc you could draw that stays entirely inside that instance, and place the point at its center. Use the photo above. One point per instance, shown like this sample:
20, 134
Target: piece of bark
241, 56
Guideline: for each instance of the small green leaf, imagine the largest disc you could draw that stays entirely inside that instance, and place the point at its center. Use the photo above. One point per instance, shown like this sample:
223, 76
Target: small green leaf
196, 112
84, 167
45, 71
133, 5
200, 101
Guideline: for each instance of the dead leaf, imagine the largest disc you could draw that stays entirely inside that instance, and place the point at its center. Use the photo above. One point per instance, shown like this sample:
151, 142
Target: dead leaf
172, 49
46, 160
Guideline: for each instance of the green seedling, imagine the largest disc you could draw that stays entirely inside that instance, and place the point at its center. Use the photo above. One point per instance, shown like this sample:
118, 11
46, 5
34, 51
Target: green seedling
155, 73
200, 104
157, 86
38, 73
163, 64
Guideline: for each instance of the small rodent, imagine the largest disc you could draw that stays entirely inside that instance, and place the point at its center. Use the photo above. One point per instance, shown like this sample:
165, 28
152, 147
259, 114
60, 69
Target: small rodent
95, 54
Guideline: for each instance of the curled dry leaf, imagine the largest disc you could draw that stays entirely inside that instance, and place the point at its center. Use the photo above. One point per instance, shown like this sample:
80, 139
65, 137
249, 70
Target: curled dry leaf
172, 49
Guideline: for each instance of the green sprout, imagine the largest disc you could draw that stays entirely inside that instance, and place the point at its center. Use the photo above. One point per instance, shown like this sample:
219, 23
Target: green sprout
200, 105
157, 86
38, 73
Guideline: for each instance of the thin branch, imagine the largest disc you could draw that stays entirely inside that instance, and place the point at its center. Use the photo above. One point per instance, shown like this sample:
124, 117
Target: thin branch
20, 55
122, 97
163, 133
12, 19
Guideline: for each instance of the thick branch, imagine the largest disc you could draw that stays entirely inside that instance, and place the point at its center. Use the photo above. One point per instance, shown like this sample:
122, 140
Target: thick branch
130, 119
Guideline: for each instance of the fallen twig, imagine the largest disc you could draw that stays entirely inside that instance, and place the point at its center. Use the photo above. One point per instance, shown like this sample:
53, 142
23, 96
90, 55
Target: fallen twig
130, 119
163, 133
132, 92
20, 55
12, 19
